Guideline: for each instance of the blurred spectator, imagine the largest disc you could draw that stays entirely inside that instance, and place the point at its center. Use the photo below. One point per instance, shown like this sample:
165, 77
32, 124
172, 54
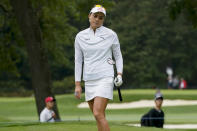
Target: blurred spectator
169, 82
47, 114
175, 82
154, 87
155, 117
183, 84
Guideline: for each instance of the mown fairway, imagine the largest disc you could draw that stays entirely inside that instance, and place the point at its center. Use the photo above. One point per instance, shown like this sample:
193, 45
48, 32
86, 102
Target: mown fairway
19, 114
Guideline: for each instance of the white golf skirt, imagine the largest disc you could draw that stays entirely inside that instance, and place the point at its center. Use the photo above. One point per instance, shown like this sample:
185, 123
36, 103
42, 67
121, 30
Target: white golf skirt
102, 87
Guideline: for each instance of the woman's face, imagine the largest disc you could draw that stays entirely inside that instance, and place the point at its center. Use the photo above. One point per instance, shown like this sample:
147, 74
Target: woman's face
96, 19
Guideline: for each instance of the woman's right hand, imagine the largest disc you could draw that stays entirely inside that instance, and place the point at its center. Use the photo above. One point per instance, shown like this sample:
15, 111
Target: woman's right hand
78, 91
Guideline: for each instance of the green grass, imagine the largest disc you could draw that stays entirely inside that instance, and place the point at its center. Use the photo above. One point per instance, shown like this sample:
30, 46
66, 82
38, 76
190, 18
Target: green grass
74, 126
23, 110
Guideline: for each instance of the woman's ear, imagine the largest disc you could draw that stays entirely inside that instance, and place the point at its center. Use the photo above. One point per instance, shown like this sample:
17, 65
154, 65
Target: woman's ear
89, 17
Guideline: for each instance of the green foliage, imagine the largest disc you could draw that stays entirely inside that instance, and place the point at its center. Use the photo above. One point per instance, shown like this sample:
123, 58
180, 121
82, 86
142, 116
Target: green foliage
150, 42
58, 37
84, 6
10, 41
64, 86
58, 34
14, 76
59, 21
185, 7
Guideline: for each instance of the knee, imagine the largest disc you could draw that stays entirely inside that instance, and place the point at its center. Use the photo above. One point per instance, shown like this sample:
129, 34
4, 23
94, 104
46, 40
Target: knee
98, 115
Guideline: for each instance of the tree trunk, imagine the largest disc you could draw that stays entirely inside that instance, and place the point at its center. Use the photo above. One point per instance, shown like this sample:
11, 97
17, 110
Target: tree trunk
29, 26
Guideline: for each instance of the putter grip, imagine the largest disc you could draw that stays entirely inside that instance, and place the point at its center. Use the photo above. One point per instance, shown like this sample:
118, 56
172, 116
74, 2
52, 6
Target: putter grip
119, 94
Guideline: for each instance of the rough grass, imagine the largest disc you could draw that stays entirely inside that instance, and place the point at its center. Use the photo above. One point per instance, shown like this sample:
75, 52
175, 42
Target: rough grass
22, 109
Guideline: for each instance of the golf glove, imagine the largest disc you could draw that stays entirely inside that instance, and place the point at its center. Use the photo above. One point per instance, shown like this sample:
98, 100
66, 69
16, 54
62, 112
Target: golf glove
118, 80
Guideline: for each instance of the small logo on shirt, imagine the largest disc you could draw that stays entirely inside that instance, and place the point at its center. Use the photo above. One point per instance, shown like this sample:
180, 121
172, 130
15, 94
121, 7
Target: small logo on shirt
102, 37
110, 61
87, 38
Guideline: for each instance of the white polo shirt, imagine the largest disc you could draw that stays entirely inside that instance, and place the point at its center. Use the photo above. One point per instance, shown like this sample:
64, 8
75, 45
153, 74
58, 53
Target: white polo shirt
46, 115
94, 51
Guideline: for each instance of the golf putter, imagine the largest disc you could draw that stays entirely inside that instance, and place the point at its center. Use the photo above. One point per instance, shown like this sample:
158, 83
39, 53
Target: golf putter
119, 94
111, 62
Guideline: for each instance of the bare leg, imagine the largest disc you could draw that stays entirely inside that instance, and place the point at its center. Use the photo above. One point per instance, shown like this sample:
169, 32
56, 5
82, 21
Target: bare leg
99, 107
91, 103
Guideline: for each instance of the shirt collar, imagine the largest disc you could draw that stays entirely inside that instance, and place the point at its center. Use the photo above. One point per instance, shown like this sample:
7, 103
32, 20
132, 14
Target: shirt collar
97, 29
47, 109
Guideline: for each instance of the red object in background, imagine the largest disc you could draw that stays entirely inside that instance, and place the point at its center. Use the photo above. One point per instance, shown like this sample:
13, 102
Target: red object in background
183, 84
49, 99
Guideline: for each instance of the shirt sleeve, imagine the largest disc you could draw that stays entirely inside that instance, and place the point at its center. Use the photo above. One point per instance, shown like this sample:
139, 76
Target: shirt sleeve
78, 61
117, 54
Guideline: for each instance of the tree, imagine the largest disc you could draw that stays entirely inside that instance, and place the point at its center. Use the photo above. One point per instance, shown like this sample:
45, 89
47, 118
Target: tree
51, 27
151, 41
29, 26
187, 8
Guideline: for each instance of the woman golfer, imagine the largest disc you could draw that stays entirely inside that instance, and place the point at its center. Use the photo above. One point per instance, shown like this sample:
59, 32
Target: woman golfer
94, 47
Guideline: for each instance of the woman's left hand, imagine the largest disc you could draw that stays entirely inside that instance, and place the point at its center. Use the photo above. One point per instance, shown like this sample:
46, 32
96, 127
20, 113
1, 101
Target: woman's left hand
118, 81
78, 91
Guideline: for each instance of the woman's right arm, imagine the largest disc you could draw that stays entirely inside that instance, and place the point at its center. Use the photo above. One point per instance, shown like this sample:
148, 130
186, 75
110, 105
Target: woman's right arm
78, 69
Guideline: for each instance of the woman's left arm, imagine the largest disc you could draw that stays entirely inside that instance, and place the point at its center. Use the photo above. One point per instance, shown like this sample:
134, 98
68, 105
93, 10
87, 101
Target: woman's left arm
117, 55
